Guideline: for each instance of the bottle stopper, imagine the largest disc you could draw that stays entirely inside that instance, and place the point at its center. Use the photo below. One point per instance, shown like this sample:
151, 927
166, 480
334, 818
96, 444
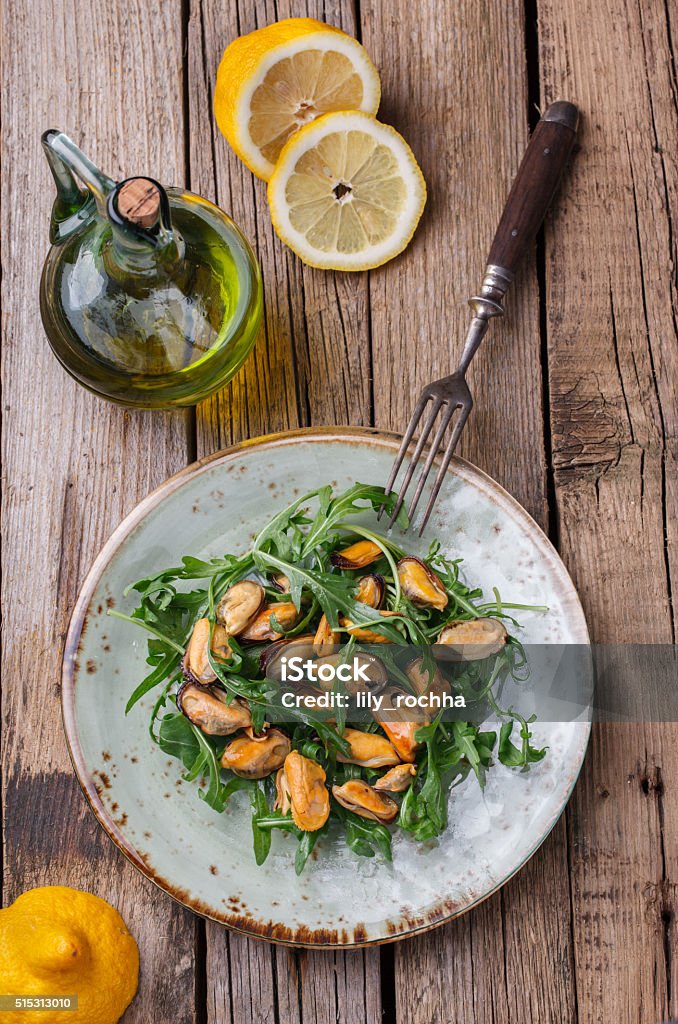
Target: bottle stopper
138, 202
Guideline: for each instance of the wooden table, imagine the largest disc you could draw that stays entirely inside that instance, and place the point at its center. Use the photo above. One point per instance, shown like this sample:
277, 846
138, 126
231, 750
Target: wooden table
575, 415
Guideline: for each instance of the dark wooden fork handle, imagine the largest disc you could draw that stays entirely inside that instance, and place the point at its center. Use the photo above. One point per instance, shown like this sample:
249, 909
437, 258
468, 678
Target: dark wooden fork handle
535, 183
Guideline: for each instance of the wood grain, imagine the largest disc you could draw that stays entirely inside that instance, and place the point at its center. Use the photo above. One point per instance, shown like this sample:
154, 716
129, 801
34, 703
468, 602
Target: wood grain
436, 61
74, 465
613, 373
310, 366
586, 932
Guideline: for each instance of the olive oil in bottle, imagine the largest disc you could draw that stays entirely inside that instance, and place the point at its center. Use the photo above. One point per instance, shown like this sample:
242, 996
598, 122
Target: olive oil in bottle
149, 296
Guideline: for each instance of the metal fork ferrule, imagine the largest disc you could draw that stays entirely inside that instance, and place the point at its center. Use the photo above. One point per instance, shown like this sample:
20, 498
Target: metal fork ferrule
485, 308
494, 287
496, 282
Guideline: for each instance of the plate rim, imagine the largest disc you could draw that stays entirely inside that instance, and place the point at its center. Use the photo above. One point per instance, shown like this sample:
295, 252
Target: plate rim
69, 671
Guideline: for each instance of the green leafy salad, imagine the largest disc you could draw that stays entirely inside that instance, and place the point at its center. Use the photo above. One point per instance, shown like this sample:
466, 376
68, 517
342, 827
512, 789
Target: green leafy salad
316, 671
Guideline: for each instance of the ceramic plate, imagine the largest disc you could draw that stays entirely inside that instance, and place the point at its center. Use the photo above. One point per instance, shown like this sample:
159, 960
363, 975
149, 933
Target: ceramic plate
204, 859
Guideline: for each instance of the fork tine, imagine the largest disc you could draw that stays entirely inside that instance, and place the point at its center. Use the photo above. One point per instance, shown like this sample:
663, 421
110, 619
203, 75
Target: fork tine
428, 426
423, 476
411, 427
458, 427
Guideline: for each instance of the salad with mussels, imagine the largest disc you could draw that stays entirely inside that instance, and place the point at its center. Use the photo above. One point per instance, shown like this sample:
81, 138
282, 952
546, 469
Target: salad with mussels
316, 584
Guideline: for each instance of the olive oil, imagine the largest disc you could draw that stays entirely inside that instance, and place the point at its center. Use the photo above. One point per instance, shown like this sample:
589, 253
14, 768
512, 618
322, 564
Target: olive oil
149, 296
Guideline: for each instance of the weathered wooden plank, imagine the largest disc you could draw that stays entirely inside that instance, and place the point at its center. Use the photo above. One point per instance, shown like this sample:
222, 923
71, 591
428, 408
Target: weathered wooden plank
438, 61
613, 368
309, 367
505, 961
73, 465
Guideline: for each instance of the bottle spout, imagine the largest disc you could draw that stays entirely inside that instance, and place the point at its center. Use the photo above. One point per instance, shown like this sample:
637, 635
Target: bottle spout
70, 197
69, 163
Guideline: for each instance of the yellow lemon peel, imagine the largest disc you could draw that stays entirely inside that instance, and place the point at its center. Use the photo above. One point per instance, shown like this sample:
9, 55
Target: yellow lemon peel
275, 80
58, 941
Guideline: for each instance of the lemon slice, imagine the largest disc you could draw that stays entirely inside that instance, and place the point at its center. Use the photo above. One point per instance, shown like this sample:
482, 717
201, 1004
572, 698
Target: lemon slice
274, 81
346, 193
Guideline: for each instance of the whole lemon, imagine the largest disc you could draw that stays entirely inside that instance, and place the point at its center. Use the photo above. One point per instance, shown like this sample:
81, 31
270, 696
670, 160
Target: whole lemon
56, 941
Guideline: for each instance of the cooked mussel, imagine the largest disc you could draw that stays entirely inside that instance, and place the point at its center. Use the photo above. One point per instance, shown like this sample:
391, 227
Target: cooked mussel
400, 723
420, 584
470, 641
424, 681
372, 667
368, 749
297, 646
239, 605
364, 633
255, 757
260, 627
325, 636
371, 590
283, 799
206, 707
327, 681
402, 736
355, 795
397, 779
196, 663
281, 582
357, 555
301, 788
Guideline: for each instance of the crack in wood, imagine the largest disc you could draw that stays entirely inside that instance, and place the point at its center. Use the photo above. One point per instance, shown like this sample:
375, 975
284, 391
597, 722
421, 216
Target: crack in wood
615, 346
200, 959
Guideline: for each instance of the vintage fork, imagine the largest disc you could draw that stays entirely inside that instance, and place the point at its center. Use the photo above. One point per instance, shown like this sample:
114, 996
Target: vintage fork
525, 209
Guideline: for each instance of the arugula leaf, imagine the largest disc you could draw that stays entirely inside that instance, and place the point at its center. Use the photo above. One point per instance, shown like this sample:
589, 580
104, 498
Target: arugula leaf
158, 583
267, 821
153, 679
261, 838
423, 811
305, 848
331, 512
363, 836
233, 786
231, 565
177, 738
314, 751
274, 534
513, 757
137, 621
413, 817
466, 736
258, 712
432, 794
